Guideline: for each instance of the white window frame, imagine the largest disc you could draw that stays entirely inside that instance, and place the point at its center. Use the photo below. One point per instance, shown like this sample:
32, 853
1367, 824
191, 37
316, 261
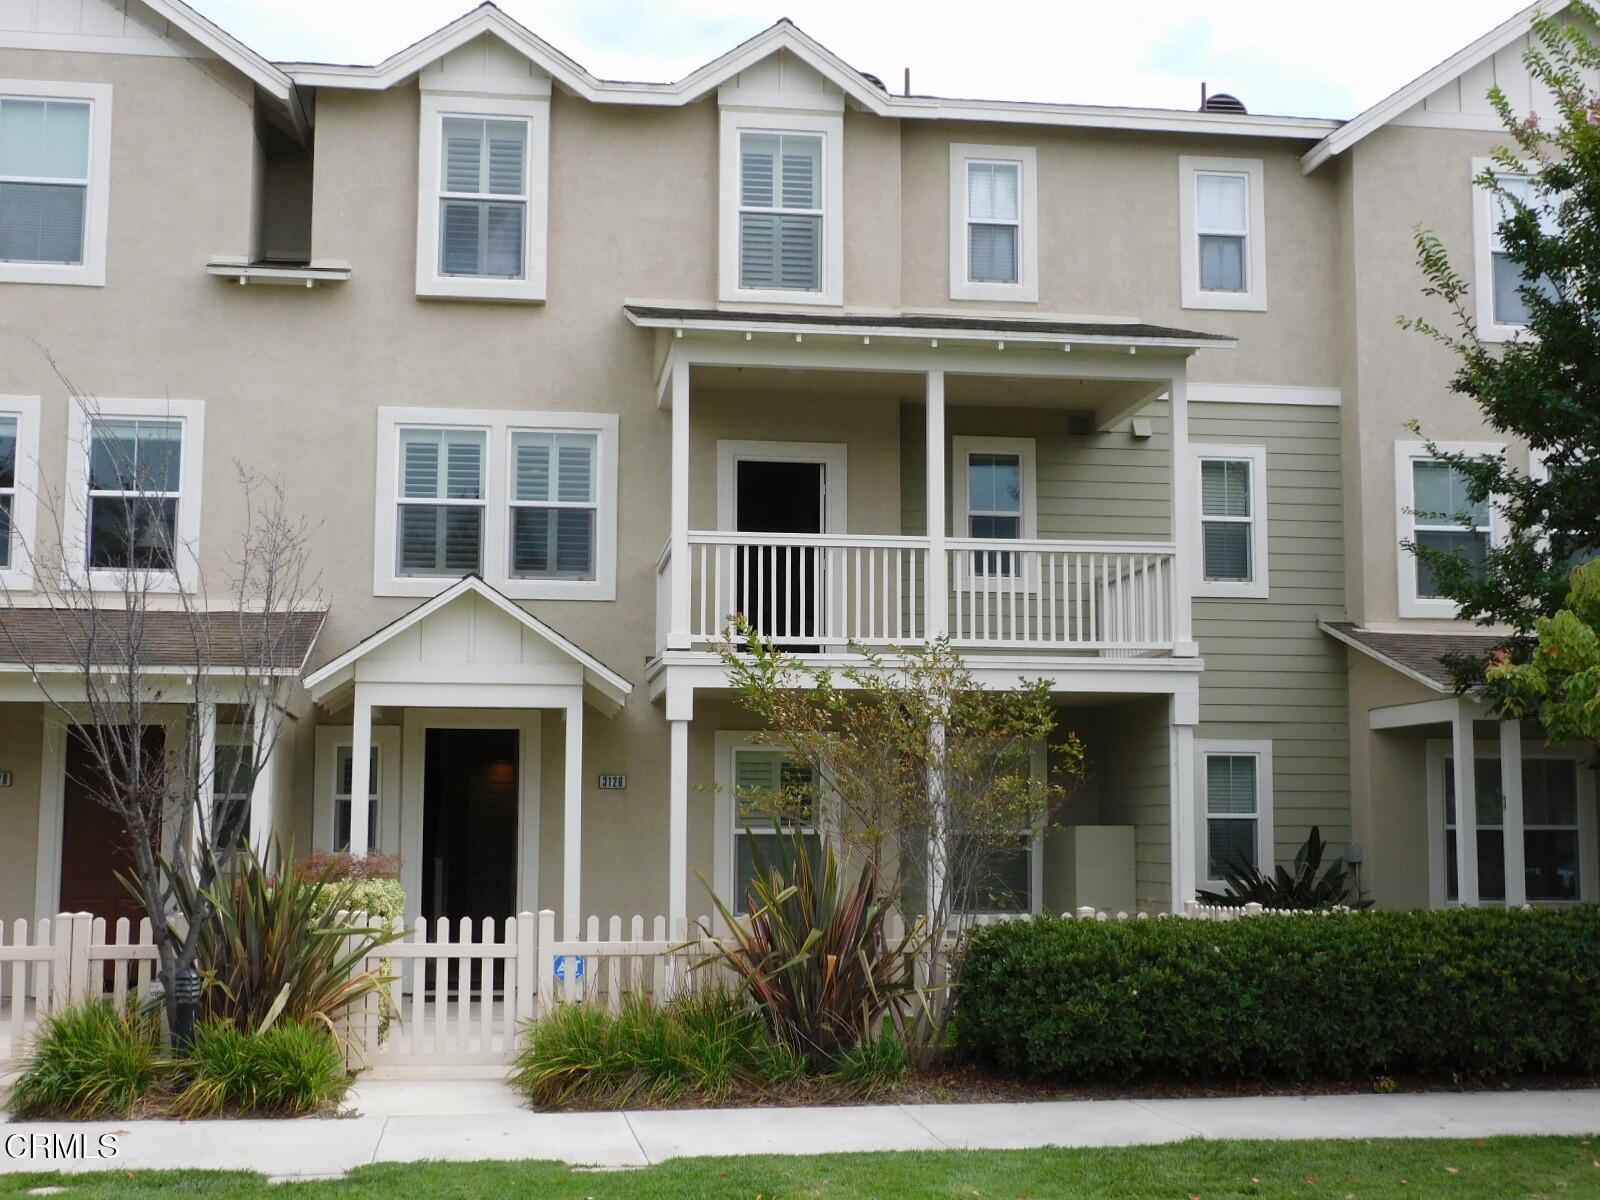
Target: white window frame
728, 742
91, 272
734, 124
962, 287
535, 111
1483, 251
1257, 586
497, 425
1254, 297
1406, 453
1439, 749
1024, 576
330, 739
17, 575
190, 414
1266, 846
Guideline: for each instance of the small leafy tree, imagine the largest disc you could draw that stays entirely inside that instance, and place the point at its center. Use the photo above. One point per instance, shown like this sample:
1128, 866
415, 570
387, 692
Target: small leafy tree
1559, 684
1542, 387
927, 775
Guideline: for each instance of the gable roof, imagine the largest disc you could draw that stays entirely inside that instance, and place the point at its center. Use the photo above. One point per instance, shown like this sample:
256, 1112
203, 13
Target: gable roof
783, 35
612, 687
1428, 82
269, 78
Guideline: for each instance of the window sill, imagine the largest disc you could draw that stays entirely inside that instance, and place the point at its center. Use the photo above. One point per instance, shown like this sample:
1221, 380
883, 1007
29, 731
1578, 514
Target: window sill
69, 274
996, 293
511, 291
428, 586
1225, 301
283, 274
1234, 590
781, 296
100, 580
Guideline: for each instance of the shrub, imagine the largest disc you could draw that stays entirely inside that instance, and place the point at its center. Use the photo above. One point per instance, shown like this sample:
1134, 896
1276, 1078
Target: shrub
292, 1068
1302, 889
813, 954
873, 1065
347, 868
88, 1061
1469, 992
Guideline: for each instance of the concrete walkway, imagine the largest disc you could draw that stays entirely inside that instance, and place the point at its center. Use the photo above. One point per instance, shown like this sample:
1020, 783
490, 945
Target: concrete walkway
463, 1121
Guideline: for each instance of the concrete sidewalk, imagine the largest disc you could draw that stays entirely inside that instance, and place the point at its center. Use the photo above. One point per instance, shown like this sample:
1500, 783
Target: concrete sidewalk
463, 1121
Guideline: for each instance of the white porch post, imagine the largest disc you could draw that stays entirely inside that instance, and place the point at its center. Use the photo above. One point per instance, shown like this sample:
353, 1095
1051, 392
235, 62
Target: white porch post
360, 774
1186, 831
572, 817
1511, 821
1185, 495
1466, 806
202, 832
680, 704
682, 579
264, 787
936, 603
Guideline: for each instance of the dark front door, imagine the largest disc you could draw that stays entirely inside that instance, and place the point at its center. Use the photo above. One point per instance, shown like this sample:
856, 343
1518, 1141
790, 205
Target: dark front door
95, 845
778, 587
469, 824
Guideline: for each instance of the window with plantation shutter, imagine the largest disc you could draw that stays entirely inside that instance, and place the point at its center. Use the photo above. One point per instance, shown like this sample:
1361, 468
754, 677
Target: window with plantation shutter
993, 226
780, 211
764, 780
553, 504
441, 502
484, 197
1234, 782
1230, 518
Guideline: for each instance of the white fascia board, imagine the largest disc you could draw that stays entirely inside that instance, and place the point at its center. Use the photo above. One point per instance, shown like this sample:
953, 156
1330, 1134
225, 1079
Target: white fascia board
1426, 84
269, 78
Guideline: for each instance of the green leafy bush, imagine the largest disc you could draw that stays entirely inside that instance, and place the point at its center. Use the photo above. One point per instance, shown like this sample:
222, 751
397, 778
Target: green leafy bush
706, 1045
292, 1068
1302, 889
88, 1061
875, 1064
1471, 992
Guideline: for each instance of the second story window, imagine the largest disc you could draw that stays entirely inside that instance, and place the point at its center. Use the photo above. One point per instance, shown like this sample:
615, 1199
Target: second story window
1232, 556
55, 151
441, 502
1502, 309
484, 197
780, 211
781, 198
135, 488
553, 505
1222, 220
995, 500
993, 227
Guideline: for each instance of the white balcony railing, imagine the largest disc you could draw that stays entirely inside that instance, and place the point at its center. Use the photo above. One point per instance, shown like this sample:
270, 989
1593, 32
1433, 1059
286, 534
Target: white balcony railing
821, 591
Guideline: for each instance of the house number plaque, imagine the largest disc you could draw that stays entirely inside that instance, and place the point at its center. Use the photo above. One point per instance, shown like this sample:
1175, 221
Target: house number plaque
613, 783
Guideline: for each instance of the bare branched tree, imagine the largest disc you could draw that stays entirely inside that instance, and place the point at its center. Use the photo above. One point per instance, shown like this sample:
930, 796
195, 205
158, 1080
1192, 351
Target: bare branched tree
123, 635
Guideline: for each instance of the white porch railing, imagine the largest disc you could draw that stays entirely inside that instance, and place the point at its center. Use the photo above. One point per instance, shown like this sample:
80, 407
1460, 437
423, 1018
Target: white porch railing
825, 590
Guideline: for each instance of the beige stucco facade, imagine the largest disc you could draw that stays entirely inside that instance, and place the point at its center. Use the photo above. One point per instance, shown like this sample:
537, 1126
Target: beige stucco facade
1114, 389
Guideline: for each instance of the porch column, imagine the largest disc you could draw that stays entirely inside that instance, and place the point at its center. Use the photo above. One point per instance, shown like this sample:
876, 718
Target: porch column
1511, 820
264, 787
1187, 833
1466, 806
682, 579
936, 610
202, 832
572, 823
360, 774
1185, 496
680, 704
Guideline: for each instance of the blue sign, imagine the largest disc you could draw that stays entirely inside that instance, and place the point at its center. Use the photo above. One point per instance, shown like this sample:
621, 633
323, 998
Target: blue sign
561, 966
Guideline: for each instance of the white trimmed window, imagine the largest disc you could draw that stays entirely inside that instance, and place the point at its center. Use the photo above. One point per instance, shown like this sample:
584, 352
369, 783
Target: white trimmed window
231, 779
19, 481
1435, 512
331, 788
133, 476
526, 500
993, 223
781, 233
1222, 224
1231, 519
1502, 312
749, 776
483, 197
343, 775
1234, 784
55, 153
995, 499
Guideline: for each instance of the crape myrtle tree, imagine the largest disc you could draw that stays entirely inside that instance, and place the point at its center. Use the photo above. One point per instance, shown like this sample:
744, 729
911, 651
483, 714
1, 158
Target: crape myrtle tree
1542, 387
926, 776
138, 650
1559, 684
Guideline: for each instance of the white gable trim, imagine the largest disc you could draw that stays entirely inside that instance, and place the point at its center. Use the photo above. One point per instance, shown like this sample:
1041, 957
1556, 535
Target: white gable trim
612, 689
1426, 84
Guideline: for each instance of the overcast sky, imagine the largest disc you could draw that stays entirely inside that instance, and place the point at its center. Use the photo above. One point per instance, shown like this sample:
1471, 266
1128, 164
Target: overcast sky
1278, 56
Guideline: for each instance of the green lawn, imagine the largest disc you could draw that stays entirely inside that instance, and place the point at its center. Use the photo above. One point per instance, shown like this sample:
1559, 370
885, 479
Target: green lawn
1492, 1169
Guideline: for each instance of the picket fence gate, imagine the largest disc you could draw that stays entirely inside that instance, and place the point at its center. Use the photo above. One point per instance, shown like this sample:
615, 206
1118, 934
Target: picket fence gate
458, 992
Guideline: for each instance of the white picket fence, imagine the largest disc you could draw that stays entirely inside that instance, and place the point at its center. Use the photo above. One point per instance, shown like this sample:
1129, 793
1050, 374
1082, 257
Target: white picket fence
458, 993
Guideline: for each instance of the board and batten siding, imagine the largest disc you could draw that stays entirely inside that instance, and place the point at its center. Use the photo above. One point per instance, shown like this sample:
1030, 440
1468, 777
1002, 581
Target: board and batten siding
1270, 673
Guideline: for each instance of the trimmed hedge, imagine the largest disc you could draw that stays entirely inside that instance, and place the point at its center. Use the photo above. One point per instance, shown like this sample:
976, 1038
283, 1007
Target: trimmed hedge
1471, 992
